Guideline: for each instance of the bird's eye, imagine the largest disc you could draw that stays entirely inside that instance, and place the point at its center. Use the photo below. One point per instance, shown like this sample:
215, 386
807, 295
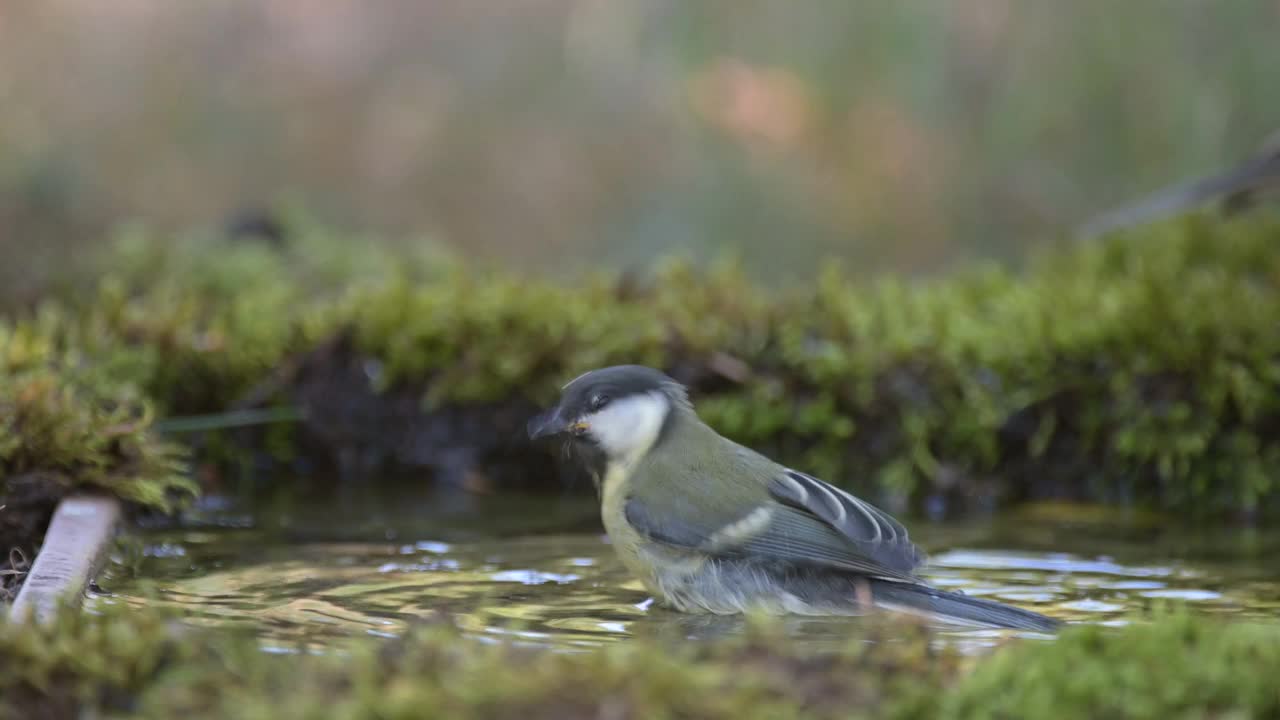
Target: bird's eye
599, 401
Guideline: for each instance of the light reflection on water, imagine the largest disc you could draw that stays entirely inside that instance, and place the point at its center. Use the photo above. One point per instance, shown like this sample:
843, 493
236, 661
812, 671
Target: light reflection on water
294, 587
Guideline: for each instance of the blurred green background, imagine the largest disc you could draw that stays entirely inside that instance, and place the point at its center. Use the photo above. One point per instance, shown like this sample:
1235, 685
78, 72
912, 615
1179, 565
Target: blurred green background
556, 135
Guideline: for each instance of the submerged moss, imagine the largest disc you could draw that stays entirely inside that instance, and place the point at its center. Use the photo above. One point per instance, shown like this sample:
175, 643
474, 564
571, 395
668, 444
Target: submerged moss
128, 663
1144, 369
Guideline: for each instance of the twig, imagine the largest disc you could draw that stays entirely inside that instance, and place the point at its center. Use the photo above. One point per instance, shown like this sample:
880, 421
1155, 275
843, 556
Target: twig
1236, 187
232, 419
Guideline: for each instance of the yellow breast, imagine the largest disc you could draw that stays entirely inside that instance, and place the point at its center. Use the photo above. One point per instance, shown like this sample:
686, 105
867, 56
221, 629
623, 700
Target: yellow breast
626, 541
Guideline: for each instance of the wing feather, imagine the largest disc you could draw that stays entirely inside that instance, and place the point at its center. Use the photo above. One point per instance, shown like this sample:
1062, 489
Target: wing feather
803, 521
871, 530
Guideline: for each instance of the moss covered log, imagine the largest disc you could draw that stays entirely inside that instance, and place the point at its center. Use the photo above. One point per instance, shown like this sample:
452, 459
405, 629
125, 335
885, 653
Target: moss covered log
136, 664
1143, 369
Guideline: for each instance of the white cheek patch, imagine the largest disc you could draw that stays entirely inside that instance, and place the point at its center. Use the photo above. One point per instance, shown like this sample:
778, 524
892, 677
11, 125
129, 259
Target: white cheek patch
627, 428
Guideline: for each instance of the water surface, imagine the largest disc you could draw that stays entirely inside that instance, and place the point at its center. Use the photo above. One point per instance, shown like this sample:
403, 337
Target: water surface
538, 569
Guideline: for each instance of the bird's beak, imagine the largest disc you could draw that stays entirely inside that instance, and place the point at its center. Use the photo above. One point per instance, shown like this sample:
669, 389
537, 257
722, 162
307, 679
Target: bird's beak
552, 423
546, 424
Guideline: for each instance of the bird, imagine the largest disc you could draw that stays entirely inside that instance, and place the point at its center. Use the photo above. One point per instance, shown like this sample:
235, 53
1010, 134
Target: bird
710, 526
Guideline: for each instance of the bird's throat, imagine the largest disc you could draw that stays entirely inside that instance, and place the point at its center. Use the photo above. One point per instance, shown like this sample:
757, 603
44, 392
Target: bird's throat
615, 476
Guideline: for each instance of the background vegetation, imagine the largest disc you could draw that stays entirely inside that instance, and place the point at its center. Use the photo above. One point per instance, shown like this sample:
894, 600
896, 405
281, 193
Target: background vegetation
1139, 370
564, 134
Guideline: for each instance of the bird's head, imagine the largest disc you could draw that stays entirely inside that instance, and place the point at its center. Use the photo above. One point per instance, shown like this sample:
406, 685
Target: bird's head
618, 412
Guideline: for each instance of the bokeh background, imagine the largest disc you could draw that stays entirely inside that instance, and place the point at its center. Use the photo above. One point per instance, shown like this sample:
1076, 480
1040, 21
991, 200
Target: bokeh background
554, 135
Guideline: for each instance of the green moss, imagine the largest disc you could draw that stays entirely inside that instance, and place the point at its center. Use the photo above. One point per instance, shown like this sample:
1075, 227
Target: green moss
1143, 369
64, 413
84, 661
1177, 667
131, 663
54, 429
135, 663
64, 428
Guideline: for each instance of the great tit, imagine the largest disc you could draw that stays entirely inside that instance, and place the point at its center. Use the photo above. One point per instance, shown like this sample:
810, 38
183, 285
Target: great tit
710, 526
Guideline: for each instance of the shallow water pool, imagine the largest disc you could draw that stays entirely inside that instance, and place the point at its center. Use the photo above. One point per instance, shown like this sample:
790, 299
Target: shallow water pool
538, 570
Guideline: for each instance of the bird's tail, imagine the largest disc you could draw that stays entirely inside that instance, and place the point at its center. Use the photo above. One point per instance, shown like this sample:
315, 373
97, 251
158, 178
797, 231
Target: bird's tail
954, 607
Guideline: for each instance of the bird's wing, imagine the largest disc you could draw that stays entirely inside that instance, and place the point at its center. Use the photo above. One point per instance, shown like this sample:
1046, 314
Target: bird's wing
805, 521
869, 529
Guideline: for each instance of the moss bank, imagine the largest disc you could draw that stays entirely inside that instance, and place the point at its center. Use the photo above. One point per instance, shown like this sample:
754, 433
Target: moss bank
61, 431
138, 664
130, 664
1143, 369
1178, 667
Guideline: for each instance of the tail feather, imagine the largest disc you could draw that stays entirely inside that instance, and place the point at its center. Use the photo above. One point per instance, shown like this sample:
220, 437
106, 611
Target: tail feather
957, 607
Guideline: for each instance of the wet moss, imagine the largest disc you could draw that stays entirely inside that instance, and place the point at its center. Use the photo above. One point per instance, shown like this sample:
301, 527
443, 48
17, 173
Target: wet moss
1140, 370
1177, 667
60, 431
82, 663
130, 663
55, 430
